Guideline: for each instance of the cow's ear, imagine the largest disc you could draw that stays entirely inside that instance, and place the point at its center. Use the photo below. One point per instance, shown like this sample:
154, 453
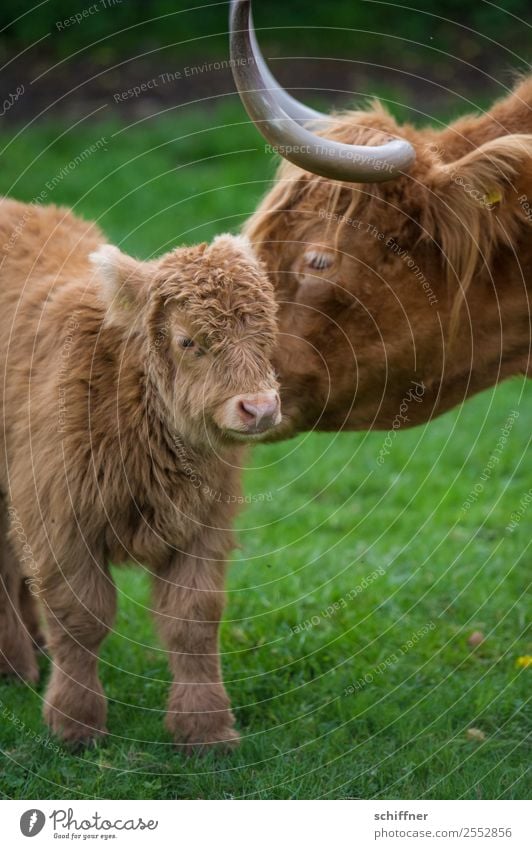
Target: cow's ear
474, 203
486, 177
122, 282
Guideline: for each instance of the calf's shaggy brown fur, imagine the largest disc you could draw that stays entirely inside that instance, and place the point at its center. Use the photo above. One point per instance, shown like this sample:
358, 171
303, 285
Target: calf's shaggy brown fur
120, 443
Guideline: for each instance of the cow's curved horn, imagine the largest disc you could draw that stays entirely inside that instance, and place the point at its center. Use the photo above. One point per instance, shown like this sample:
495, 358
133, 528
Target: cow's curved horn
296, 110
279, 117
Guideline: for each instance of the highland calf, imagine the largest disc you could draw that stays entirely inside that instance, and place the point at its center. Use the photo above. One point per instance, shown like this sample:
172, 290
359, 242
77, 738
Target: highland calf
127, 390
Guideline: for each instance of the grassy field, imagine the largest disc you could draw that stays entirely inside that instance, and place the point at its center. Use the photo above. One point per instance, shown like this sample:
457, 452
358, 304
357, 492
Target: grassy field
357, 586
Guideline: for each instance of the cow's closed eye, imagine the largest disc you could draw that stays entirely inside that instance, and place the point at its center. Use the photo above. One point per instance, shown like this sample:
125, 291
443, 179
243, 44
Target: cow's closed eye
319, 258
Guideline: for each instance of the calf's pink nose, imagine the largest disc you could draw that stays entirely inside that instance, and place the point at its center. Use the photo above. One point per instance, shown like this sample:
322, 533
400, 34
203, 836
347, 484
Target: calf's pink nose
260, 412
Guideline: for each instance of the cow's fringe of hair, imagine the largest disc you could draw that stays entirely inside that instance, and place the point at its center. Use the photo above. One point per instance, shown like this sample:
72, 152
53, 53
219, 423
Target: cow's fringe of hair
470, 231
466, 229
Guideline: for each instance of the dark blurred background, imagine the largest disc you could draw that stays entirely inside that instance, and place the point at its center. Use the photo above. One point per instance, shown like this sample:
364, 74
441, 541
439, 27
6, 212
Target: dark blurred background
445, 55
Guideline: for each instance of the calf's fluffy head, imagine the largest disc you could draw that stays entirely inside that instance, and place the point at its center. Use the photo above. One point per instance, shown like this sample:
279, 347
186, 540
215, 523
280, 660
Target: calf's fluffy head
205, 320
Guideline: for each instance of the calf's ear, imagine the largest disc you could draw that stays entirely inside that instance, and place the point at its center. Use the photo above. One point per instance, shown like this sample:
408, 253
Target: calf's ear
122, 282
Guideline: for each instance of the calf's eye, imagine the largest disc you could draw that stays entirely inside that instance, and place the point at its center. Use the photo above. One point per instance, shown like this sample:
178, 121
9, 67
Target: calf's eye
186, 342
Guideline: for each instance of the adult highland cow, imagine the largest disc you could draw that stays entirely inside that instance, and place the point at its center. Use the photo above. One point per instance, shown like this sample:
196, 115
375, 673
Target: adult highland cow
397, 262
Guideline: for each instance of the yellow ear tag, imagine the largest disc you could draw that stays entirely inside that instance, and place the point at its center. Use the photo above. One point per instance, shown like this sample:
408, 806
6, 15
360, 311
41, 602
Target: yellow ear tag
493, 198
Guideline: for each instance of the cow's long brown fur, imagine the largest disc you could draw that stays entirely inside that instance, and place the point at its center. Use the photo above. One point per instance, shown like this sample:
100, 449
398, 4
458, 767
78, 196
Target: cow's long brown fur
111, 452
356, 332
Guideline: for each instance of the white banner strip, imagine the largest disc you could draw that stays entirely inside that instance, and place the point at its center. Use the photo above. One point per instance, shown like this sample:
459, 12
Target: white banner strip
268, 824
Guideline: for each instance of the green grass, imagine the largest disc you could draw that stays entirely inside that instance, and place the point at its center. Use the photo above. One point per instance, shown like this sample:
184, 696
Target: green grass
331, 517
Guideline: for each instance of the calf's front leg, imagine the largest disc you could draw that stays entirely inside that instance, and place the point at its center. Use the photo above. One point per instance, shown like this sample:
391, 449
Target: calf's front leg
79, 608
189, 600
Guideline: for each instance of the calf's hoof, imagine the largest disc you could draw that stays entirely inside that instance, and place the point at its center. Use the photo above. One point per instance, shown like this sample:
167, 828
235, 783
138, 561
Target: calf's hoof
223, 741
79, 720
75, 733
199, 733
